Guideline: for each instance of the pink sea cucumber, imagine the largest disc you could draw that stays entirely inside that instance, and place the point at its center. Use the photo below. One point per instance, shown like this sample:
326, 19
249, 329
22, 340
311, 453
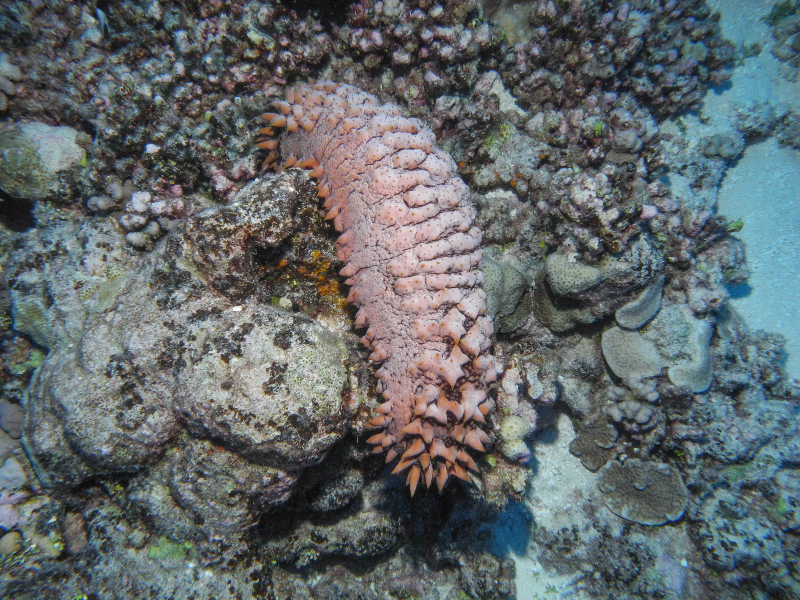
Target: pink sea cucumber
412, 259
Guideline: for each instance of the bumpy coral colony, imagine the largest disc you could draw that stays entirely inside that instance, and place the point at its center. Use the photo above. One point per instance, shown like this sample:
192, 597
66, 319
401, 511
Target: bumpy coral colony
412, 259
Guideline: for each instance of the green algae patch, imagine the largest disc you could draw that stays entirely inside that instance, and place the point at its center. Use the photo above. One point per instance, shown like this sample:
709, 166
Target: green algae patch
169, 550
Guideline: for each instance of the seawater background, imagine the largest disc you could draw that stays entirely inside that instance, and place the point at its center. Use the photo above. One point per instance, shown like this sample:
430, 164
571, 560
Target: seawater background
762, 189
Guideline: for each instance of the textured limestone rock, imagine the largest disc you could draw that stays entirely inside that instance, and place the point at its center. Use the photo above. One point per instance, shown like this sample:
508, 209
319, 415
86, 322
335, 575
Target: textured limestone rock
11, 418
223, 239
52, 308
578, 395
10, 543
366, 533
146, 354
645, 492
204, 483
735, 534
737, 431
11, 474
787, 517
7, 445
270, 387
338, 492
98, 408
34, 156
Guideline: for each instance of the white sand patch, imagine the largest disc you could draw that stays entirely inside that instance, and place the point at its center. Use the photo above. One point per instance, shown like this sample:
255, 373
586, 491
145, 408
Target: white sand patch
764, 191
558, 488
763, 188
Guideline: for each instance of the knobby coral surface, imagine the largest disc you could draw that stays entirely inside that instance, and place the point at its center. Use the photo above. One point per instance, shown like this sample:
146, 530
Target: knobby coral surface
412, 260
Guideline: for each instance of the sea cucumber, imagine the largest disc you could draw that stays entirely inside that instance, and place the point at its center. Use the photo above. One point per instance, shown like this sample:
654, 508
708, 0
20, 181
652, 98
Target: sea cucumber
412, 258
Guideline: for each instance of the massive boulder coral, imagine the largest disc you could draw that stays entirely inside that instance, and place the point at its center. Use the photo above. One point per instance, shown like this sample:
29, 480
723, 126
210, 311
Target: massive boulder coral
154, 373
505, 285
569, 293
412, 259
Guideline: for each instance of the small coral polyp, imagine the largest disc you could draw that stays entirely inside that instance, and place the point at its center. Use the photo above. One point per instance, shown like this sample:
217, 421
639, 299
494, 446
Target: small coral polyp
412, 259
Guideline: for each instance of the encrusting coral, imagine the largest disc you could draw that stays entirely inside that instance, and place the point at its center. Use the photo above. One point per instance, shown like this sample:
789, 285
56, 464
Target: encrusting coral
412, 260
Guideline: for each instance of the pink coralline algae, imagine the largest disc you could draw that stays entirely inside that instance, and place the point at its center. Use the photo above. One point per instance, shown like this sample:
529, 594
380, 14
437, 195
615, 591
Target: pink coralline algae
412, 259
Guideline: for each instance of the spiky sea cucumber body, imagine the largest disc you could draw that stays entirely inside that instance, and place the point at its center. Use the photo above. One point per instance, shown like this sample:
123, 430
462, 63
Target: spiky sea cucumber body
412, 258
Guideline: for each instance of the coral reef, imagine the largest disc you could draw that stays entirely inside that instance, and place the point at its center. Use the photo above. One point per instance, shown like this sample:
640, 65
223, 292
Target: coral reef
644, 307
664, 53
696, 374
146, 219
9, 73
176, 333
513, 430
569, 293
785, 21
629, 355
748, 540
631, 410
506, 284
722, 146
